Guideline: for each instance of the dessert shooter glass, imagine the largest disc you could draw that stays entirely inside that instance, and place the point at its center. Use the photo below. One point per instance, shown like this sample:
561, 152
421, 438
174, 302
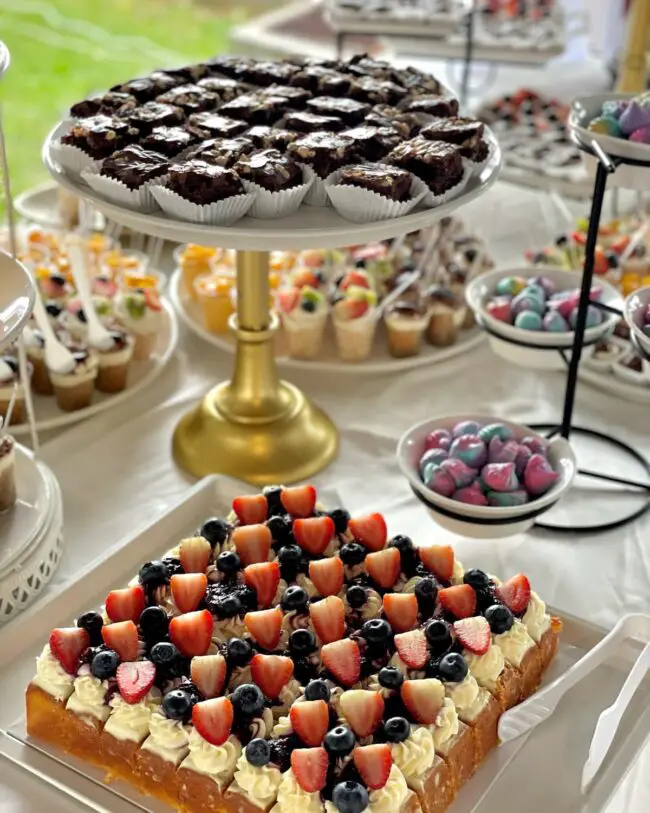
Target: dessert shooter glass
74, 390
305, 332
405, 331
194, 261
354, 337
214, 293
113, 369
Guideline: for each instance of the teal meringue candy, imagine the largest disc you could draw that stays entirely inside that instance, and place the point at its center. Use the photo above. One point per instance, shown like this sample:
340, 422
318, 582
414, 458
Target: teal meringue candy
470, 449
508, 286
528, 320
525, 302
535, 291
462, 474
500, 477
495, 430
441, 482
507, 499
554, 322
465, 428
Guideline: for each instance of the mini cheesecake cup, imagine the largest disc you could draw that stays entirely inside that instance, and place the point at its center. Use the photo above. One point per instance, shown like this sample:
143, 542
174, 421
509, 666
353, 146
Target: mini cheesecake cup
405, 331
305, 332
74, 390
355, 337
114, 365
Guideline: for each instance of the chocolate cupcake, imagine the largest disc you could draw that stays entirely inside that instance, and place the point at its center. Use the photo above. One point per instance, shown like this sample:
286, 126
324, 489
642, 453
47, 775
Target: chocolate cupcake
391, 182
224, 88
254, 108
191, 98
271, 137
201, 182
466, 133
108, 104
433, 106
146, 88
296, 97
269, 169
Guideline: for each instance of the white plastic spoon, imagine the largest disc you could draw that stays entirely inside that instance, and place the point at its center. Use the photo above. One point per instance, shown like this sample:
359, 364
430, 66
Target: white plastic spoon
98, 336
57, 357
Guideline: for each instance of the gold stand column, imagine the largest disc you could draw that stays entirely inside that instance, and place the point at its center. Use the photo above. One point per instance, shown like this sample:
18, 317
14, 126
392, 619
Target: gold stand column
255, 427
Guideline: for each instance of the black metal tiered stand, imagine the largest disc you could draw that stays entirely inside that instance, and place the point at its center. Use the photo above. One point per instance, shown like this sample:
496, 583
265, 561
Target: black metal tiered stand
606, 165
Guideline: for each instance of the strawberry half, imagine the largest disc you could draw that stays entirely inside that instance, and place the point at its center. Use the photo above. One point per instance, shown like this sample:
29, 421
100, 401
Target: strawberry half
384, 567
363, 710
264, 578
192, 632
67, 645
423, 699
359, 278
195, 554
474, 634
439, 560
126, 604
208, 673
310, 766
328, 618
352, 308
401, 610
412, 648
251, 509
123, 638
213, 719
515, 593
314, 534
252, 543
371, 531
343, 660
299, 501
188, 589
373, 763
459, 600
271, 673
287, 299
134, 679
327, 575
310, 720
265, 626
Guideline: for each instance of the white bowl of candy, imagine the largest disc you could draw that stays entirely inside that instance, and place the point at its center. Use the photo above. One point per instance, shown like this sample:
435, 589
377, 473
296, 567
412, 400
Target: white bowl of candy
483, 477
637, 315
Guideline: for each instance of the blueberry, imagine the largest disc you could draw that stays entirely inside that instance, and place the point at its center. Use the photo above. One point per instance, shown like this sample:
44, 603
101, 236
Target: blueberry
376, 631
104, 664
238, 651
81, 316
164, 654
317, 690
390, 677
340, 517
453, 668
477, 579
215, 530
295, 598
438, 636
258, 752
426, 592
352, 554
485, 599
612, 259
397, 729
290, 555
356, 596
350, 797
404, 544
308, 306
92, 622
177, 705
432, 669
273, 496
499, 618
248, 699
339, 741
153, 573
281, 527
154, 624
228, 562
228, 606
302, 642
53, 310
57, 279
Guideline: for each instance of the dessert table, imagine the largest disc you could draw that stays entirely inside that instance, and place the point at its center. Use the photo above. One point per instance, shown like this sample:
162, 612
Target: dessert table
116, 472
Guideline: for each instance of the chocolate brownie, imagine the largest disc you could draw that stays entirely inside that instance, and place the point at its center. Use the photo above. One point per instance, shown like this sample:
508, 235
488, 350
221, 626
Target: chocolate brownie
168, 141
254, 108
214, 125
324, 152
349, 111
192, 98
335, 84
99, 136
467, 133
438, 164
226, 89
372, 143
222, 151
297, 97
146, 88
391, 182
264, 137
135, 166
189, 73
312, 77
269, 73
383, 115
417, 83
377, 91
203, 183
226, 65
154, 114
305, 122
433, 105
270, 170
111, 103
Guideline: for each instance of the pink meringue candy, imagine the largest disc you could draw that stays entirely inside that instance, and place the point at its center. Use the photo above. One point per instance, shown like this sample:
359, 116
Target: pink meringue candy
500, 452
462, 474
438, 439
500, 477
500, 308
539, 475
472, 495
466, 428
441, 482
523, 456
641, 135
536, 445
470, 449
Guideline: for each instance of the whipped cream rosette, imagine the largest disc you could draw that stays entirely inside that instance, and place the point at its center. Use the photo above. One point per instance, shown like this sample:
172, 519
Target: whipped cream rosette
355, 323
303, 312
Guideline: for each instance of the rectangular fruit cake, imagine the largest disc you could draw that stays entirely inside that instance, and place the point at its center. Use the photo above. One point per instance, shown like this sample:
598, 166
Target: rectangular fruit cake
289, 659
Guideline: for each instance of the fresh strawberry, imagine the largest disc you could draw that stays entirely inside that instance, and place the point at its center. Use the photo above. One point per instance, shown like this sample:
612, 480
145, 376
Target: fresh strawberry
271, 673
384, 567
515, 593
264, 578
412, 648
363, 710
192, 632
213, 719
123, 638
327, 575
343, 660
474, 634
195, 554
371, 531
126, 604
328, 618
373, 763
303, 277
352, 308
288, 299
459, 600
310, 721
250, 509
208, 673
359, 278
188, 589
310, 766
152, 299
252, 543
314, 534
299, 501
401, 610
265, 626
423, 699
67, 645
439, 560
134, 679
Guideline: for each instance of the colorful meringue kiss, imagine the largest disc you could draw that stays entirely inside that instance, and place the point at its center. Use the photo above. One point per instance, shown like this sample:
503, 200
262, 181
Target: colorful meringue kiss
523, 456
465, 428
462, 474
594, 317
470, 496
500, 477
470, 449
528, 320
495, 430
554, 322
545, 283
539, 475
430, 461
525, 302
500, 308
510, 286
536, 445
633, 118
438, 439
502, 452
642, 135
441, 482
507, 499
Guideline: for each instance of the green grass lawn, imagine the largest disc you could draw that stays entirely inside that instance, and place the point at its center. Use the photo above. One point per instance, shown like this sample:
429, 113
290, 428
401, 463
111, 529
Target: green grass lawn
62, 50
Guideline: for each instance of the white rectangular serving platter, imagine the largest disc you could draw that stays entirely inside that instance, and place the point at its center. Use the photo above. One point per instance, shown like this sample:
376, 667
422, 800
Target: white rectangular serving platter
536, 773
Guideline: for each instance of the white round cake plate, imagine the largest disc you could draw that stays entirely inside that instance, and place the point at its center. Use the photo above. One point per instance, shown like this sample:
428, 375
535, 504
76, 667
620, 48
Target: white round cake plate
380, 360
141, 375
608, 382
309, 227
17, 293
39, 205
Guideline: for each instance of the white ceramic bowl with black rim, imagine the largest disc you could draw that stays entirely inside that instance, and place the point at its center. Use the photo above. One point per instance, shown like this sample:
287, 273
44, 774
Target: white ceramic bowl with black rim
478, 521
636, 305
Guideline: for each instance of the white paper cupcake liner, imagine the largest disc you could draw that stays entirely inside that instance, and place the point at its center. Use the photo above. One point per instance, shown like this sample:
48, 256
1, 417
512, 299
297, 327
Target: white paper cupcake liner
365, 206
431, 200
73, 160
317, 192
270, 205
141, 200
477, 166
222, 213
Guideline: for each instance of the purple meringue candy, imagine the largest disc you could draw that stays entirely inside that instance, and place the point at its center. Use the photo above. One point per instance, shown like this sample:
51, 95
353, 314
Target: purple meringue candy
441, 482
545, 283
433, 456
438, 439
507, 499
554, 322
523, 456
539, 475
500, 452
491, 430
465, 428
633, 118
470, 449
526, 302
536, 445
470, 495
594, 317
500, 477
460, 472
564, 305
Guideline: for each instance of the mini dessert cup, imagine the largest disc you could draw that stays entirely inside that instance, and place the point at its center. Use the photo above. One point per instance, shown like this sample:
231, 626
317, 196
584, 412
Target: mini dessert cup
35, 347
214, 294
114, 363
73, 320
195, 260
140, 313
116, 262
405, 323
444, 321
74, 388
355, 323
303, 312
11, 387
7, 473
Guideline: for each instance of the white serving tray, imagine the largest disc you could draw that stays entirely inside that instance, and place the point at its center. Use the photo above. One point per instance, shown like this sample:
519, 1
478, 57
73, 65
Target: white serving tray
537, 773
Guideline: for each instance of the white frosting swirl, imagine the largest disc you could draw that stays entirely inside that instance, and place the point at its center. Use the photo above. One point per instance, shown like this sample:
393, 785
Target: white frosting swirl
229, 628
415, 754
468, 698
536, 619
215, 761
411, 674
457, 573
515, 643
289, 693
259, 784
291, 797
283, 727
405, 585
130, 721
292, 621
262, 726
277, 598
51, 677
392, 796
89, 697
168, 738
371, 608
486, 668
446, 725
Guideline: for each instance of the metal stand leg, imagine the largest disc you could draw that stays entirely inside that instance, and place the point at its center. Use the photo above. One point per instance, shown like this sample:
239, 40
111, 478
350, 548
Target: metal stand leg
467, 61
